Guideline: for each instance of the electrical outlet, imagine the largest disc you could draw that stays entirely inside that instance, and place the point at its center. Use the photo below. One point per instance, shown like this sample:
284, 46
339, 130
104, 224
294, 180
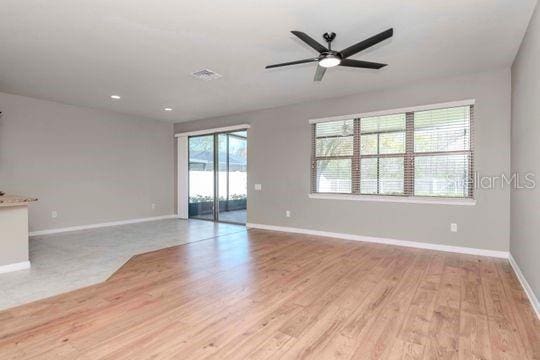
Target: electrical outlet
54, 214
287, 213
258, 187
453, 227
153, 206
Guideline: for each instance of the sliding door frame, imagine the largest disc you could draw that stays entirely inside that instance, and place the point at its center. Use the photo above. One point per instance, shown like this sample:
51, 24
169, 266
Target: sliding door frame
228, 134
183, 168
214, 175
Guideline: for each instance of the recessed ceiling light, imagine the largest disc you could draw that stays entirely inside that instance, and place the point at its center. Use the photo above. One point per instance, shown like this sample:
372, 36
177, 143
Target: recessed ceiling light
115, 97
168, 109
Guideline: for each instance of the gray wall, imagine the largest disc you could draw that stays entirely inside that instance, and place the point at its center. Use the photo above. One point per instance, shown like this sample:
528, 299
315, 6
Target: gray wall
279, 158
90, 165
525, 204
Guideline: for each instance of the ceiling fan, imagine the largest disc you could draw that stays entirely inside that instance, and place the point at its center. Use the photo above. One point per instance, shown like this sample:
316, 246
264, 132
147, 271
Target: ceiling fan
329, 58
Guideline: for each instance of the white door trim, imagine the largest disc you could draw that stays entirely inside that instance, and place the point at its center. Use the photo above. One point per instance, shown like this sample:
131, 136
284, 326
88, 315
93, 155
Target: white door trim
182, 178
183, 164
214, 130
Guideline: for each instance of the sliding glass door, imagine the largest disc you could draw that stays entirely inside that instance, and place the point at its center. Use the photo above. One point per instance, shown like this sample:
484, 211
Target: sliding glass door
218, 177
201, 177
232, 179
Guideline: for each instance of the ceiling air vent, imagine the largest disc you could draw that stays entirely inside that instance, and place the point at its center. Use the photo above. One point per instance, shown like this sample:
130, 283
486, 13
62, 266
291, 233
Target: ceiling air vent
206, 74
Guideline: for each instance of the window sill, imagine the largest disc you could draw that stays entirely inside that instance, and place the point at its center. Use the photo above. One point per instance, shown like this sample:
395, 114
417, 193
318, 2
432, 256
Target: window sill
396, 199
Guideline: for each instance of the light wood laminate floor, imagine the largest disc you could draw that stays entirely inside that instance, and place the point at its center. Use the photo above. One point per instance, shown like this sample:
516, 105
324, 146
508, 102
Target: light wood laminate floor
272, 295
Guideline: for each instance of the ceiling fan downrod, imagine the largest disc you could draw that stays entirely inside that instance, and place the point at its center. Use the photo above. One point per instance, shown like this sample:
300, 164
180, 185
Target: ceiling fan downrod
329, 37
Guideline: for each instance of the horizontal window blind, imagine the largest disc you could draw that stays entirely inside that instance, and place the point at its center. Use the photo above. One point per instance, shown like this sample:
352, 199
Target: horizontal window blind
418, 153
382, 154
334, 148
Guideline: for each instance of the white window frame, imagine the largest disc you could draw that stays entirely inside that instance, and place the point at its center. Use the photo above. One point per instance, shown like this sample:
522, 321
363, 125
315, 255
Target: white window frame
391, 198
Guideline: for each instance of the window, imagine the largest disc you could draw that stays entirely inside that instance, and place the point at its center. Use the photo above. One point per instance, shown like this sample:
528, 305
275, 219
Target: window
425, 153
334, 156
382, 154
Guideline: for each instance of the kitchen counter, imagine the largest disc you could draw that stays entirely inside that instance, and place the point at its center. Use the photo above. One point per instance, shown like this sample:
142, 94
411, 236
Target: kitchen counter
15, 200
14, 232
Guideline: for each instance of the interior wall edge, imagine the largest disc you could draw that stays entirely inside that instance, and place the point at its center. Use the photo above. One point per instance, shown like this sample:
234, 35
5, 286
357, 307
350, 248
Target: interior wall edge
525, 203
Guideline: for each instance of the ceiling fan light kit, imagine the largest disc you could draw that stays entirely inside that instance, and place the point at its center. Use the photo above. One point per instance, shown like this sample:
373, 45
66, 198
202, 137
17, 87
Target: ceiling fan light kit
329, 58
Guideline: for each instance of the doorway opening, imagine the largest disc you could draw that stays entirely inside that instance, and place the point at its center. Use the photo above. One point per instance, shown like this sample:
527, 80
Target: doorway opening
218, 177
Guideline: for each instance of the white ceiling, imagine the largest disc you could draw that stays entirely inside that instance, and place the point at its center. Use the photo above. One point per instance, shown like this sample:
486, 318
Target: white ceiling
80, 52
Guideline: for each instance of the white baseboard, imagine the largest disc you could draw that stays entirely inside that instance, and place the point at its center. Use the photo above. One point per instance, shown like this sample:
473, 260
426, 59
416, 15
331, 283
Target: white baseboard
415, 244
15, 267
525, 285
100, 225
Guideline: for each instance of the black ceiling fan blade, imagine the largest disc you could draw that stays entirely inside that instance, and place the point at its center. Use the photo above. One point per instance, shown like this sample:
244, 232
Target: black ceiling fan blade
362, 45
361, 64
310, 41
319, 73
292, 63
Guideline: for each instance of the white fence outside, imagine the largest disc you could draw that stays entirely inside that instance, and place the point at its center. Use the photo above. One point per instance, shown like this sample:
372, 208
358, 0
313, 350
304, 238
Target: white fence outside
201, 183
